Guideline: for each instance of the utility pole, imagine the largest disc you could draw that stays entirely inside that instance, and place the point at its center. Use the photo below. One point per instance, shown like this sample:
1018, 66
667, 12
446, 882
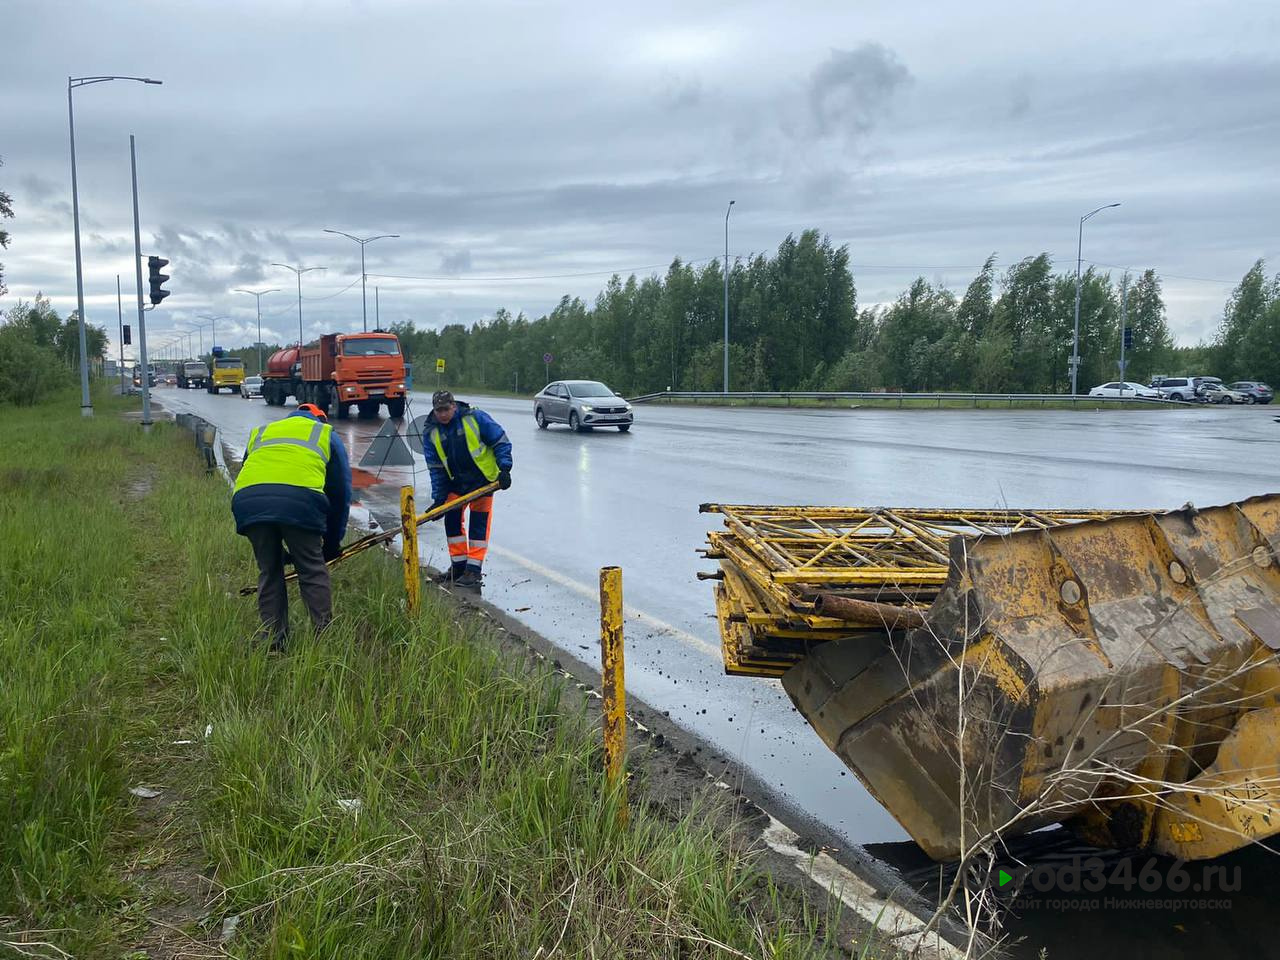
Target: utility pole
377, 311
364, 277
120, 312
86, 404
727, 211
258, 295
1124, 324
144, 377
298, 271
1075, 336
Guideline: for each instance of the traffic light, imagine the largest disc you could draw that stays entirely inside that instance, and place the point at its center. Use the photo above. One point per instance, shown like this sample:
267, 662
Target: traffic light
1128, 338
154, 266
127, 334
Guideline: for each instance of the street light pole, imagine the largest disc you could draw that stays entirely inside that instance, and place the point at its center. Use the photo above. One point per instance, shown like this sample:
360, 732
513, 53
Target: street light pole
258, 295
145, 376
213, 329
1075, 336
86, 404
298, 272
364, 299
120, 313
727, 211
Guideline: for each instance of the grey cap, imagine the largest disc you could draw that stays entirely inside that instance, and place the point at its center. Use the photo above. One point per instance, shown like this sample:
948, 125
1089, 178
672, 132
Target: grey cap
441, 398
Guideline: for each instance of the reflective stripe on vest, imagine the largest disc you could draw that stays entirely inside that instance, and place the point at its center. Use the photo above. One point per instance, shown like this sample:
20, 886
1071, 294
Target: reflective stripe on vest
481, 453
293, 451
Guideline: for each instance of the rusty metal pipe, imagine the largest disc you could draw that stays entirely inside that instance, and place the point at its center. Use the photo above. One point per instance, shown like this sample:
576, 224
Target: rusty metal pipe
891, 616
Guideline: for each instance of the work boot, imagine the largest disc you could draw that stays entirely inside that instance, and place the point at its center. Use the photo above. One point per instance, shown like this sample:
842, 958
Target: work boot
452, 575
471, 577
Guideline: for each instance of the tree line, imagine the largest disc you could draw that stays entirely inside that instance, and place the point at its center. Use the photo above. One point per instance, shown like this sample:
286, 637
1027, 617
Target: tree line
795, 324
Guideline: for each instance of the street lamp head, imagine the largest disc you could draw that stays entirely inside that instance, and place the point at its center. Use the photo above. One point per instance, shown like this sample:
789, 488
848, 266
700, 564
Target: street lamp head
155, 82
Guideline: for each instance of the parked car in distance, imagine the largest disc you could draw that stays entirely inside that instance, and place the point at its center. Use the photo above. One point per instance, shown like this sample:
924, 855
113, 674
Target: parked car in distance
1212, 391
1125, 388
1179, 388
1254, 390
582, 404
251, 387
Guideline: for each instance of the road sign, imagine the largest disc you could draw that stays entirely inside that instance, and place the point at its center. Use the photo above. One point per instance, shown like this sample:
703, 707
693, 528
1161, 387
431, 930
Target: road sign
440, 365
547, 358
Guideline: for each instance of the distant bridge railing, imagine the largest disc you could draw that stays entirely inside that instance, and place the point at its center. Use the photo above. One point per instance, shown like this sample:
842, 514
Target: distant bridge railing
916, 399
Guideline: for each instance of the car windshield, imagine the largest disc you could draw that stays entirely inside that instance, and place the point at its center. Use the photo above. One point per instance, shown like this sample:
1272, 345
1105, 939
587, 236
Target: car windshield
253, 380
370, 347
589, 388
225, 364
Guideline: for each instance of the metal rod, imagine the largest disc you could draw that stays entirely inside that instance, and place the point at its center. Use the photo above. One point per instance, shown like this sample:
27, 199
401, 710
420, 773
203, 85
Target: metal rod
613, 684
145, 377
891, 616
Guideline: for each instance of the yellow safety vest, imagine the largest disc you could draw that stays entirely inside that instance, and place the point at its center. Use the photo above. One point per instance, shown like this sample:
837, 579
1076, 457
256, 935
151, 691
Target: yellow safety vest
480, 452
293, 451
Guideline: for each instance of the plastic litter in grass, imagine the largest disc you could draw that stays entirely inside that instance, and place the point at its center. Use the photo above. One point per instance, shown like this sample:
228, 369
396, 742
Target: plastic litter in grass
228, 928
351, 806
146, 793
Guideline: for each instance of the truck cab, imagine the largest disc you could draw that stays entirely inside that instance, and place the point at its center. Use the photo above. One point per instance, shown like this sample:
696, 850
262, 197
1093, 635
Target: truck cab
193, 374
227, 372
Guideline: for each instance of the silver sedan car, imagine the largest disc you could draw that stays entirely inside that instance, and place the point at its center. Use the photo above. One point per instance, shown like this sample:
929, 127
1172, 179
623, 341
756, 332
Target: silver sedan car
582, 404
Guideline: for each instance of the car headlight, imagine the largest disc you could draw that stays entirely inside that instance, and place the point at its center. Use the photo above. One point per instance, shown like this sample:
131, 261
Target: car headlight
627, 407
400, 386
587, 408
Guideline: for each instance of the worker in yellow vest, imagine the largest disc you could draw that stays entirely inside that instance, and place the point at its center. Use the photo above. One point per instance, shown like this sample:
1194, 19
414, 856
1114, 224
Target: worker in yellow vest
293, 492
465, 448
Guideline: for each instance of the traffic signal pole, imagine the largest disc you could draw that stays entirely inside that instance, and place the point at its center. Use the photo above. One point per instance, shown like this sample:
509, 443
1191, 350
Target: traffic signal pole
144, 377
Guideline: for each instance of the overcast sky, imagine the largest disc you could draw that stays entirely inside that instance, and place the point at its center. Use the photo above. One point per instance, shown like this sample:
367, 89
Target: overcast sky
569, 141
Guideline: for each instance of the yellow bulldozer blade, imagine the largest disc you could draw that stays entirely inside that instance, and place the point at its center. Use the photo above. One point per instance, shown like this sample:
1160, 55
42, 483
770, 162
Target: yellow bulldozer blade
987, 673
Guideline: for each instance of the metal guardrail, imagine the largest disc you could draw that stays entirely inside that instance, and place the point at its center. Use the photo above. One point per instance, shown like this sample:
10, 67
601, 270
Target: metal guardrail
939, 398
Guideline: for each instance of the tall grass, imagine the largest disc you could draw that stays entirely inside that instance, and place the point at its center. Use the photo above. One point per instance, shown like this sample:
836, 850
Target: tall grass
391, 788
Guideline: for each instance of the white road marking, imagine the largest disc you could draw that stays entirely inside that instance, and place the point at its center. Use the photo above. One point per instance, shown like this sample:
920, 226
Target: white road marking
899, 924
592, 593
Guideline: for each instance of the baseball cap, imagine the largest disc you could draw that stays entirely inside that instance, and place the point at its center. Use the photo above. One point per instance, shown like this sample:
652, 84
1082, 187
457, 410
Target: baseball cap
441, 398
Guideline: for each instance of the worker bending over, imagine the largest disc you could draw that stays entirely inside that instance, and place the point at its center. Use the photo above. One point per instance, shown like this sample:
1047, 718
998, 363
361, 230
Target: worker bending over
293, 491
465, 448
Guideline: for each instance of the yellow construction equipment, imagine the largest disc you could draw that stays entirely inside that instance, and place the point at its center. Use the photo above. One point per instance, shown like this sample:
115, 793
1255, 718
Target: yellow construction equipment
989, 672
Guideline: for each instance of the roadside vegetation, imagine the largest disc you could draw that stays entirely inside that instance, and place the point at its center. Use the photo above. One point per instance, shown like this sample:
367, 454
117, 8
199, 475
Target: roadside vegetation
394, 788
796, 324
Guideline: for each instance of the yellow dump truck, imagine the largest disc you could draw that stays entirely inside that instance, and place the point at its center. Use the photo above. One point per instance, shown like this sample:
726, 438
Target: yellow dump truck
225, 371
987, 673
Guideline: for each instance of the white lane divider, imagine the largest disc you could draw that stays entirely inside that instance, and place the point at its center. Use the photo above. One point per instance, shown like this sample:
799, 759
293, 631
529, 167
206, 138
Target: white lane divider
894, 922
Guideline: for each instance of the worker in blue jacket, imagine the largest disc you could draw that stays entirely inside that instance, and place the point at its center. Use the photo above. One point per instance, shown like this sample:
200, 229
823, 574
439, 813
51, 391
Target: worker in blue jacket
294, 491
465, 448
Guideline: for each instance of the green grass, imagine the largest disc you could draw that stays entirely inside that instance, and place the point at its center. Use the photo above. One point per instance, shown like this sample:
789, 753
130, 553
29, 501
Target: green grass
483, 826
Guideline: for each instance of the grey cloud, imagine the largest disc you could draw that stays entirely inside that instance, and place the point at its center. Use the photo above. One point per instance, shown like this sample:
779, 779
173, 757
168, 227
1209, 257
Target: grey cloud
457, 261
852, 89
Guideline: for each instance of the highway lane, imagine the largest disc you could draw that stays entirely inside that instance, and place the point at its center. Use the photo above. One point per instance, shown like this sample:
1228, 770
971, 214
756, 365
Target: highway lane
582, 501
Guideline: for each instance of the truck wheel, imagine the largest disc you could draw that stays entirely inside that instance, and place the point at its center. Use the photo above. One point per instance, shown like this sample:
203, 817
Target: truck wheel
368, 409
342, 411
395, 408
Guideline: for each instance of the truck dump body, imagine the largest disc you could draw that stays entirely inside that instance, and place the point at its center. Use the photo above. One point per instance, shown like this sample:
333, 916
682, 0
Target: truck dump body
991, 672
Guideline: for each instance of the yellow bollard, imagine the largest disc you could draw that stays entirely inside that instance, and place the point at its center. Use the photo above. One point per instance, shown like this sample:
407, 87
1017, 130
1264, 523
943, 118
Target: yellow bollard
614, 689
409, 548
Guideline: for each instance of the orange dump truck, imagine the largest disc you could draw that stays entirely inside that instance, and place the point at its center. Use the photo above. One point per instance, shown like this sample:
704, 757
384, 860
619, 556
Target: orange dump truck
340, 369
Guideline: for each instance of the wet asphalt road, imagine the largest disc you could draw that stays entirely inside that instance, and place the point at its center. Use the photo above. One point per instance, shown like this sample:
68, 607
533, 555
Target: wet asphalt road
583, 501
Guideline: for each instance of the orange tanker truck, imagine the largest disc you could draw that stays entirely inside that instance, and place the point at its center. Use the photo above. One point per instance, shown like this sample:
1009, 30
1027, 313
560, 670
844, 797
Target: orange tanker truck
340, 369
